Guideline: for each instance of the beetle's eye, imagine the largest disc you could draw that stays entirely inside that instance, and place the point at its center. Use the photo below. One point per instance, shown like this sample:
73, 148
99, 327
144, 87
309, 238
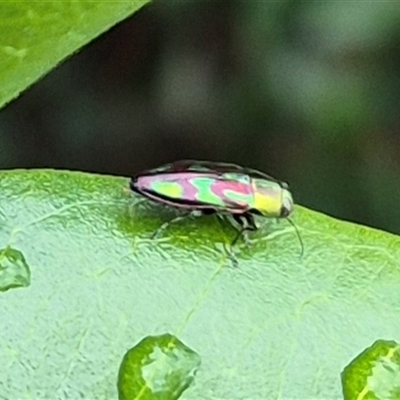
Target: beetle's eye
285, 212
287, 206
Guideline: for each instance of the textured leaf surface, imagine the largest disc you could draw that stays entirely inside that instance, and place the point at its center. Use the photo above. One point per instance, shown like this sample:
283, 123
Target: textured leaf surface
37, 35
275, 327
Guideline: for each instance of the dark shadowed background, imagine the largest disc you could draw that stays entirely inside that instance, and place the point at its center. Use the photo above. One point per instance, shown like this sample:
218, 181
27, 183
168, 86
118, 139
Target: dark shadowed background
308, 92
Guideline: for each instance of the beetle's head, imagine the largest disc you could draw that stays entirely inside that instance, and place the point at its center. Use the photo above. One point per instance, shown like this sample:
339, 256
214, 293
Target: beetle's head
272, 199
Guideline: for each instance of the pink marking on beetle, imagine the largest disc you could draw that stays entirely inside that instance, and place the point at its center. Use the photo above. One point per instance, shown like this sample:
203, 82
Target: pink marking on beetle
144, 182
189, 191
222, 186
199, 190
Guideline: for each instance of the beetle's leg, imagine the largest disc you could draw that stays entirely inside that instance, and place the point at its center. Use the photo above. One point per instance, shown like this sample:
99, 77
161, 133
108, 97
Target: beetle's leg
206, 211
165, 225
247, 223
240, 232
251, 223
222, 217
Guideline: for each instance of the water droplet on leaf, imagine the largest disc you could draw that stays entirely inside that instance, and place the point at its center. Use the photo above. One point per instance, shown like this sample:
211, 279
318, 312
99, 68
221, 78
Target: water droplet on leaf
14, 270
374, 374
157, 368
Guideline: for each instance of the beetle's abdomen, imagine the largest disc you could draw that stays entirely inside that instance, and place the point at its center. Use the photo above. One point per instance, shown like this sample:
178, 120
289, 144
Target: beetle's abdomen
203, 190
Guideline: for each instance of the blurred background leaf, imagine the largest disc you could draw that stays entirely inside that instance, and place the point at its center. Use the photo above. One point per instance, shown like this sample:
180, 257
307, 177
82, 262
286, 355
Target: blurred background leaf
307, 91
276, 326
37, 35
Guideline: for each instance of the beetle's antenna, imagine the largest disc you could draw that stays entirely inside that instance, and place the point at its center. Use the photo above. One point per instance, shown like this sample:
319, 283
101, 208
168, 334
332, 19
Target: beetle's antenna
298, 235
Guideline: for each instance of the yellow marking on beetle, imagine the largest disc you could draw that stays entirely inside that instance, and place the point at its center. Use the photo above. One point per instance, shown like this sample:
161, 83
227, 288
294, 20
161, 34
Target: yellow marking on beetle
268, 201
169, 189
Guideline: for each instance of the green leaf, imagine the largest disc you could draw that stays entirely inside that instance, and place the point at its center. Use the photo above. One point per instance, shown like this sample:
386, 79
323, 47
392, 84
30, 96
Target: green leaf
37, 35
276, 326
374, 374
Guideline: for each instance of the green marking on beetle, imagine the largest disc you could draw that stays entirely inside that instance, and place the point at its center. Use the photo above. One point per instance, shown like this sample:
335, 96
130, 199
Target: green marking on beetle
233, 176
242, 198
198, 168
204, 192
170, 189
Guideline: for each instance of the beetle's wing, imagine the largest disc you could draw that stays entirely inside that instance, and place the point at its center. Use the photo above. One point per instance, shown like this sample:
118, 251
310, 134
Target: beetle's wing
192, 166
260, 175
198, 190
206, 166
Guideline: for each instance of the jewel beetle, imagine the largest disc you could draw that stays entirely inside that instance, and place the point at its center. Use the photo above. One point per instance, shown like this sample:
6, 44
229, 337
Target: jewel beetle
204, 187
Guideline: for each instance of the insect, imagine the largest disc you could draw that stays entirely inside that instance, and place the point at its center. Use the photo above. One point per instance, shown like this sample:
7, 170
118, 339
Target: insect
204, 187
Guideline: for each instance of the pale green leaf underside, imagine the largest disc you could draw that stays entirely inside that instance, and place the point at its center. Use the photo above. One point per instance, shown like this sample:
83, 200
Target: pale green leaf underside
277, 326
38, 35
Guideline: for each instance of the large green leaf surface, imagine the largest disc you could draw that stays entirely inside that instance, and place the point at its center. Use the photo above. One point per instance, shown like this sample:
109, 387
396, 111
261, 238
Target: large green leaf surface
37, 35
91, 284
